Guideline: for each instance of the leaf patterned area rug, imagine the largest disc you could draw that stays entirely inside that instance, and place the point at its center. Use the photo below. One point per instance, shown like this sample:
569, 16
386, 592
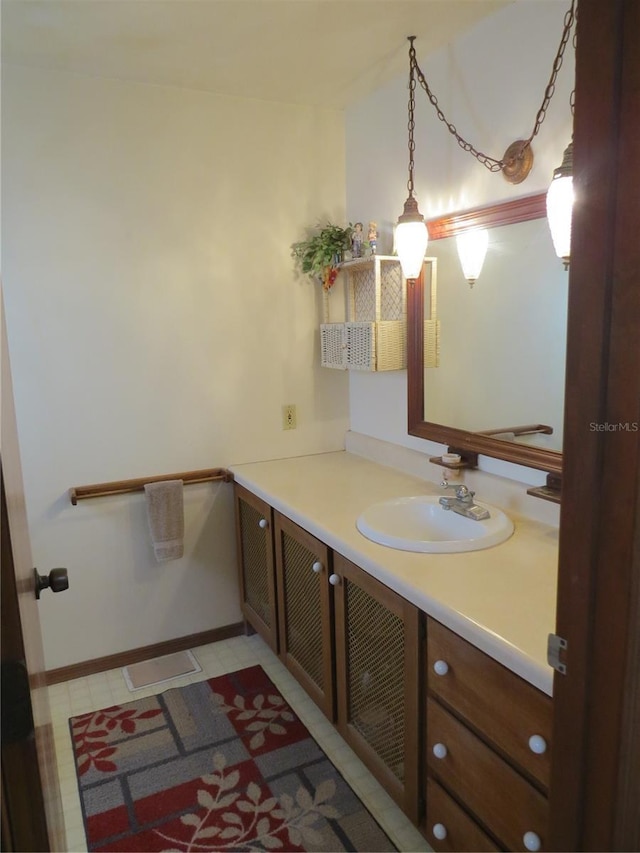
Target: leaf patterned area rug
223, 764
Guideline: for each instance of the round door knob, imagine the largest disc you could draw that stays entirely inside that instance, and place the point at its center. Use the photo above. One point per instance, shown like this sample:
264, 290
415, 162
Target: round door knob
439, 831
532, 841
537, 744
441, 667
263, 523
334, 580
440, 750
57, 581
317, 566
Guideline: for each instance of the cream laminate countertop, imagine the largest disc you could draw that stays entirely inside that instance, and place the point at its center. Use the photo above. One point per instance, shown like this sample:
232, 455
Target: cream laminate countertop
502, 599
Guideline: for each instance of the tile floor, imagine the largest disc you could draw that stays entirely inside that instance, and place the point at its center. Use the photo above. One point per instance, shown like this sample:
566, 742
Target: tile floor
109, 688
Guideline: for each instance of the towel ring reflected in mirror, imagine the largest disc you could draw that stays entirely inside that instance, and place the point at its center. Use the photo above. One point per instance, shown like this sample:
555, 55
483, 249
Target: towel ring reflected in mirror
464, 440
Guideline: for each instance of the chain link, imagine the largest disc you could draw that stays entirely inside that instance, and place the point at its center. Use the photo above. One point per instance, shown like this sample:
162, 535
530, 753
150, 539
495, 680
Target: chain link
491, 163
557, 65
411, 125
572, 97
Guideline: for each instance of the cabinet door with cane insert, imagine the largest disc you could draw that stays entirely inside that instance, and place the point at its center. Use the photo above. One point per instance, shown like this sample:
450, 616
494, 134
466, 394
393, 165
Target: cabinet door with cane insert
377, 678
254, 536
303, 567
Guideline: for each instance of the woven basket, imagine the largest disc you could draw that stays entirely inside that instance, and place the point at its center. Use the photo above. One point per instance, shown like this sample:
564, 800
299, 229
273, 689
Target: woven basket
391, 345
360, 346
364, 346
332, 349
432, 324
374, 336
432, 343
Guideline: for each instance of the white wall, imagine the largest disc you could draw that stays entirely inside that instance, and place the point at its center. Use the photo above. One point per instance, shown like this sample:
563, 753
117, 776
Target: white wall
156, 325
490, 83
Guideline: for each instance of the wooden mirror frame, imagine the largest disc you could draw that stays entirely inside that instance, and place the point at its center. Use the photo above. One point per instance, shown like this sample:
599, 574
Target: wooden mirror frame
491, 216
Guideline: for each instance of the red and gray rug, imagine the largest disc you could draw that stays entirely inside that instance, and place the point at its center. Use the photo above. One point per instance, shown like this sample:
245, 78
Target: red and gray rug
224, 764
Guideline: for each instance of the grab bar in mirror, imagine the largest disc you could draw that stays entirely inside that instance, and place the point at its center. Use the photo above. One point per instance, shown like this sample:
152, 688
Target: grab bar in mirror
527, 429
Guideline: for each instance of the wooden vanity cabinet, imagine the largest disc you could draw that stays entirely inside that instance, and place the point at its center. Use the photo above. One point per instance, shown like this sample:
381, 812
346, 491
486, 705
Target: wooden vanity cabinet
487, 745
305, 613
377, 678
254, 538
460, 742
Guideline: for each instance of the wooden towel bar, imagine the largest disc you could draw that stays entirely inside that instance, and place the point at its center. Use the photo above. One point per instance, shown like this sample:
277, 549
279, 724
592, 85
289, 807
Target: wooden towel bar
119, 487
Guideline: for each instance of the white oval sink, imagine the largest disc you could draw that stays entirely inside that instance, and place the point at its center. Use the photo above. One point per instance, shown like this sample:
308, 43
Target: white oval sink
421, 524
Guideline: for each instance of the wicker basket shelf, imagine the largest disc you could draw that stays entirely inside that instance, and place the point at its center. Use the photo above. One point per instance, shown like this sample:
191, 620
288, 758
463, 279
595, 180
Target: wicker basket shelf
374, 335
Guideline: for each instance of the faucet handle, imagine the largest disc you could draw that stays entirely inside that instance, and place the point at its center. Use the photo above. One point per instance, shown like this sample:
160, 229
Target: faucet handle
464, 493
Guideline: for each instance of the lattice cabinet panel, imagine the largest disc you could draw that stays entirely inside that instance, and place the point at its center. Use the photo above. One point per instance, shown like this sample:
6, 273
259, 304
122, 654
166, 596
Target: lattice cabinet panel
375, 695
305, 630
303, 633
375, 289
254, 535
377, 679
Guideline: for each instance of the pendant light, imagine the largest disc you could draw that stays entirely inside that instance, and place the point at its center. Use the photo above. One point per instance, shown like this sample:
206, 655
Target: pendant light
560, 198
515, 165
411, 236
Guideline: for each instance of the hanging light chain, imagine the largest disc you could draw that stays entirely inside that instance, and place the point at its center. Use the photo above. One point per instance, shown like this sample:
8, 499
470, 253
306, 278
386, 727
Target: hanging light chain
411, 124
557, 65
491, 163
572, 97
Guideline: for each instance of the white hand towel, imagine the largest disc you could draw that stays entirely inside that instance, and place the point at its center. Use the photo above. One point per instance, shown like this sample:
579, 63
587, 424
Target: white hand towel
165, 511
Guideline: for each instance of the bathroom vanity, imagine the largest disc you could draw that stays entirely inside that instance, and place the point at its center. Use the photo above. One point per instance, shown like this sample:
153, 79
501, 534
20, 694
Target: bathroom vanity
431, 666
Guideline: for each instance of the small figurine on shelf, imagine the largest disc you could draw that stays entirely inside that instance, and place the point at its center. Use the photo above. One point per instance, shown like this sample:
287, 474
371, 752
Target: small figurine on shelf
373, 237
356, 240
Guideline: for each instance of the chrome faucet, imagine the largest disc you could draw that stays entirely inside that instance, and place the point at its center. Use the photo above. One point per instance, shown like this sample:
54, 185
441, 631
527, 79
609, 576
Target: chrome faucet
463, 503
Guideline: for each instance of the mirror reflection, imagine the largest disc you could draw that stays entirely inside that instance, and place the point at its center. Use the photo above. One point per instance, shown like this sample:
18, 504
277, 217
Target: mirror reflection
502, 341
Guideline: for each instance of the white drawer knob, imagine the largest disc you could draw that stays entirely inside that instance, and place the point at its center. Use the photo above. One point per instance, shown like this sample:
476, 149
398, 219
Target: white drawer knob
334, 580
440, 831
263, 523
537, 744
317, 566
441, 667
532, 841
440, 750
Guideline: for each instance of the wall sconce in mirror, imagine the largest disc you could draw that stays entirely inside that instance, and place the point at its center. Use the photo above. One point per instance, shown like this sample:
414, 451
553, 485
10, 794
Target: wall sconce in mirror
472, 249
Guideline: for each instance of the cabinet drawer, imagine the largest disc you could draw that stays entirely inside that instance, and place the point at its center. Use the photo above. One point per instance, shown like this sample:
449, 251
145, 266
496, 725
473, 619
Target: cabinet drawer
445, 817
504, 708
500, 798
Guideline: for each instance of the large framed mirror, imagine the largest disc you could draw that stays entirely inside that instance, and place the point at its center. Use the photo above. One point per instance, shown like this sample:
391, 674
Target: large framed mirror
498, 389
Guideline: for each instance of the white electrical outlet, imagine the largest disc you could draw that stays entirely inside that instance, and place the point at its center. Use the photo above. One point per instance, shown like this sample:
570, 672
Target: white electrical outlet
289, 420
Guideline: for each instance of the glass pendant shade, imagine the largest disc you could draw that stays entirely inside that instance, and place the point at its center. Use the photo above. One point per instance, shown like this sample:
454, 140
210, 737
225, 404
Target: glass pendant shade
411, 239
560, 199
472, 248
